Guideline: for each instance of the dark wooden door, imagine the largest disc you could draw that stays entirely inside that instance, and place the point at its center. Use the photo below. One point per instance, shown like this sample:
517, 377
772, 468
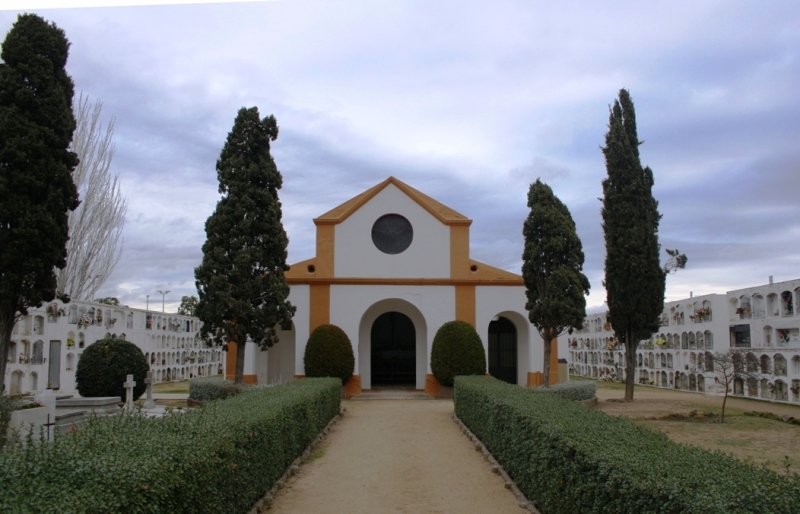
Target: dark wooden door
503, 350
393, 350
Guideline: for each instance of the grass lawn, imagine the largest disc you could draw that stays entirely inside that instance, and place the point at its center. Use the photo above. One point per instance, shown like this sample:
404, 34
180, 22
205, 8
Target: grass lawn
760, 441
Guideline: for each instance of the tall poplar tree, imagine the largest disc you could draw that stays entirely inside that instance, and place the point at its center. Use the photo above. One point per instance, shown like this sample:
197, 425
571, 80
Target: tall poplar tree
634, 278
241, 284
36, 187
552, 269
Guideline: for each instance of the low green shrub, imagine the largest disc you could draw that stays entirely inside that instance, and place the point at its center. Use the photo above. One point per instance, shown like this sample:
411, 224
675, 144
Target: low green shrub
104, 366
567, 459
575, 391
207, 389
456, 350
218, 459
7, 405
329, 353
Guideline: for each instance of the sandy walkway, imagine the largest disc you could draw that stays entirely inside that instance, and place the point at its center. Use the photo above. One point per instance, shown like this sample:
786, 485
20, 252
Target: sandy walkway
393, 456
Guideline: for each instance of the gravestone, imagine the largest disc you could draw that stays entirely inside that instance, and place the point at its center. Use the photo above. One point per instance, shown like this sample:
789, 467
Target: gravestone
129, 385
48, 400
149, 403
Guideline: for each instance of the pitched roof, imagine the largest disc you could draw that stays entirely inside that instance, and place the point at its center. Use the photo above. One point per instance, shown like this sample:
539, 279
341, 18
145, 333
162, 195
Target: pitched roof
440, 211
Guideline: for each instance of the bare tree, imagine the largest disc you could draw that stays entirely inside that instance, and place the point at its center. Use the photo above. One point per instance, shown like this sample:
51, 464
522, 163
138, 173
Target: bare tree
95, 227
728, 367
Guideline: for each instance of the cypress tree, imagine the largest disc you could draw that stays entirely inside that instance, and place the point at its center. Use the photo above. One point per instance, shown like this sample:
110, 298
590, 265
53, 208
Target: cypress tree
634, 278
241, 284
36, 187
552, 269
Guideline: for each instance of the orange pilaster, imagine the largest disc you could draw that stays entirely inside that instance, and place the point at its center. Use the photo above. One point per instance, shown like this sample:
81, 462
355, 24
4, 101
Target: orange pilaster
352, 387
554, 361
230, 362
432, 387
535, 379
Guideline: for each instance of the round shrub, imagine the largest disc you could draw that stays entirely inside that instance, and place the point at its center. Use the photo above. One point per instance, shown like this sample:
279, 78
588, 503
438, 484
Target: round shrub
105, 365
457, 350
329, 354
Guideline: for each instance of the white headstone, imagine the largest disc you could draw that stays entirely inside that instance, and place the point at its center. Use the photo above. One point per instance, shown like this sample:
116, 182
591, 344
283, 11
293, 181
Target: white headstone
149, 403
129, 385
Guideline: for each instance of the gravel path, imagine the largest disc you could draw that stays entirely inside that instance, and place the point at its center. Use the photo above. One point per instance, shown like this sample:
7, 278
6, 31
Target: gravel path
393, 456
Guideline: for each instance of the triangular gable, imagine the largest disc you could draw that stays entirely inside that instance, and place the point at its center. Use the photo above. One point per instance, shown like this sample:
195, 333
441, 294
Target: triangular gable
440, 211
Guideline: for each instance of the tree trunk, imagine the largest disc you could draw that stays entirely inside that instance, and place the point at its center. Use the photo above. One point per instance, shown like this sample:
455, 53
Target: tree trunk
239, 377
630, 365
7, 320
724, 399
548, 348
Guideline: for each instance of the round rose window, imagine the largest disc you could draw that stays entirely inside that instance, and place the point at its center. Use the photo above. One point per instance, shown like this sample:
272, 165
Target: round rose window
392, 234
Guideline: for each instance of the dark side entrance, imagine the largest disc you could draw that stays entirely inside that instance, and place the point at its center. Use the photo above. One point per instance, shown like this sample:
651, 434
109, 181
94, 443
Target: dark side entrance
503, 350
393, 350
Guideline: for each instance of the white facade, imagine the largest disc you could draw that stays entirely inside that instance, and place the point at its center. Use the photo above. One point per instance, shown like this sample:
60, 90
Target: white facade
761, 321
47, 344
354, 284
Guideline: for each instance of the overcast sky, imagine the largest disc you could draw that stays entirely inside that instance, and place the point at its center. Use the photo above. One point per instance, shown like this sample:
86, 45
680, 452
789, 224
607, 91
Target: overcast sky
467, 101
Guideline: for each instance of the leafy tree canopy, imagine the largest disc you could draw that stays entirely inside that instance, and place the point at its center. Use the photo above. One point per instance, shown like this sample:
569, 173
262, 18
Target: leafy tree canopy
36, 187
552, 268
241, 284
634, 278
188, 305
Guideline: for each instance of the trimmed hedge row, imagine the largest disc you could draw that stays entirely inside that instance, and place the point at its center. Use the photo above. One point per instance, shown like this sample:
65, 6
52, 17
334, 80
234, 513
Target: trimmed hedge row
218, 459
7, 405
207, 389
569, 459
575, 391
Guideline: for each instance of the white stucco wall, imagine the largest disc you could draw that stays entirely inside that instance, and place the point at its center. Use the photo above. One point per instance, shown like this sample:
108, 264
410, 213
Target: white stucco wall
356, 256
351, 310
509, 302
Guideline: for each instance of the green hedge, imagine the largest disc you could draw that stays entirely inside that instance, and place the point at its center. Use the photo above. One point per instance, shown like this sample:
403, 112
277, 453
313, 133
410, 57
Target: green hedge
7, 405
567, 459
218, 459
575, 391
207, 389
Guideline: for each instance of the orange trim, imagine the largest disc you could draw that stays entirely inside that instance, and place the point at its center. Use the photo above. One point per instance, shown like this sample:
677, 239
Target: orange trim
320, 306
230, 361
459, 252
250, 379
355, 281
554, 361
432, 386
535, 379
298, 377
465, 303
352, 387
440, 211
484, 272
301, 269
326, 236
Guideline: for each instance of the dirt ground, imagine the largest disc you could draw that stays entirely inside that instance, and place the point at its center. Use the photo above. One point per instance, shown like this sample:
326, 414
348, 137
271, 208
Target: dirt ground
396, 456
756, 440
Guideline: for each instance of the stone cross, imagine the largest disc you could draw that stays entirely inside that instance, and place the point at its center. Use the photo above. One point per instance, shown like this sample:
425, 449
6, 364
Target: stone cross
129, 385
149, 403
48, 399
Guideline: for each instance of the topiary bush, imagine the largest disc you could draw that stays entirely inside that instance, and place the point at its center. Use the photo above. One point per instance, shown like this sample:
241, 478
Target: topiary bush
105, 365
206, 389
329, 354
457, 350
576, 391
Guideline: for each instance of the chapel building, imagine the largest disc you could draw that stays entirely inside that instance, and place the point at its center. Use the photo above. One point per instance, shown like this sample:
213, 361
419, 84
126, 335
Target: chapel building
392, 265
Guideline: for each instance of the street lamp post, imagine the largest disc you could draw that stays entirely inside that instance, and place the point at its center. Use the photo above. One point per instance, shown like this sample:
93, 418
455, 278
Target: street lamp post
148, 302
163, 294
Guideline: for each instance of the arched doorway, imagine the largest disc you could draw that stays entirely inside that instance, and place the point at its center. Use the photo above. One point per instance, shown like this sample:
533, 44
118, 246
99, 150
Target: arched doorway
503, 350
393, 355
